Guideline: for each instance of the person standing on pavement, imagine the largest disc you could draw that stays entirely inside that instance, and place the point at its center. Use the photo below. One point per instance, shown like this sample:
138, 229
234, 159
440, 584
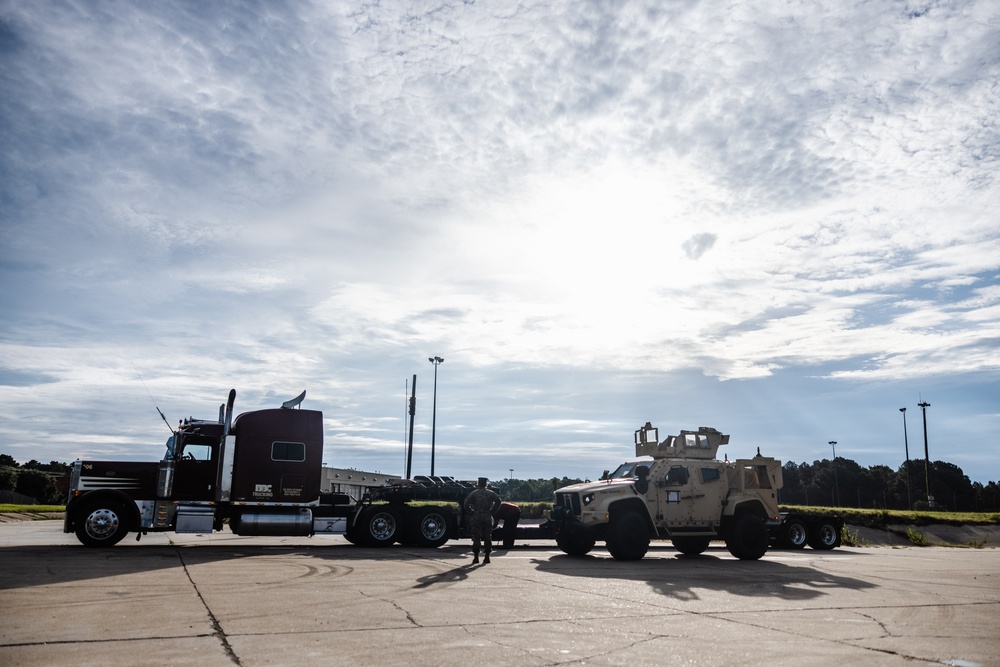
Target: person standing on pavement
480, 506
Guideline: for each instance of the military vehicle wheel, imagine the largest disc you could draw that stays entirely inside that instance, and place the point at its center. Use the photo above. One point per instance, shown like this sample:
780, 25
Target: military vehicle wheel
429, 528
824, 536
747, 538
575, 539
628, 536
691, 546
379, 526
101, 524
795, 534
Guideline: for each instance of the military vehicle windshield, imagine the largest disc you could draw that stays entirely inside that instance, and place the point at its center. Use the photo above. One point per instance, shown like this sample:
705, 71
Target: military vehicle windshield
627, 470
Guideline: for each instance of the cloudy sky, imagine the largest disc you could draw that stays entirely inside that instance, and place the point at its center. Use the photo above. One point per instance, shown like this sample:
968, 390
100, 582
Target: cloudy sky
777, 219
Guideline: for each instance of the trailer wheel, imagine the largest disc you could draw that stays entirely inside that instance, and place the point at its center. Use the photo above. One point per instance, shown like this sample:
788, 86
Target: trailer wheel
747, 538
101, 524
795, 534
628, 536
690, 546
575, 539
429, 528
379, 526
824, 536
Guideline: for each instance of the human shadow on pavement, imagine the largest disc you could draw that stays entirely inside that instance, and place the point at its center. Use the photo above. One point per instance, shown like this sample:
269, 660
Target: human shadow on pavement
681, 577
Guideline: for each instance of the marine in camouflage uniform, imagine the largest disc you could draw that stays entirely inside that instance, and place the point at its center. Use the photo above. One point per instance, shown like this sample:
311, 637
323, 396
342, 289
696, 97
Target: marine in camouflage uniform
480, 506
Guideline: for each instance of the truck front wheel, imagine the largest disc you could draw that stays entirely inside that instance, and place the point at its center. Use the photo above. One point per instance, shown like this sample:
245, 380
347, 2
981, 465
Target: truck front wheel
747, 538
101, 524
575, 539
628, 536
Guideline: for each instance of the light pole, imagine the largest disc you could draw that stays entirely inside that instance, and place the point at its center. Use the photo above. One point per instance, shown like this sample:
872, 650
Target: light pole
923, 405
906, 444
437, 361
836, 482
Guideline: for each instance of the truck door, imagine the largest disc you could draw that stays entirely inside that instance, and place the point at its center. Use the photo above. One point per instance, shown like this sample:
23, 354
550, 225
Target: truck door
195, 474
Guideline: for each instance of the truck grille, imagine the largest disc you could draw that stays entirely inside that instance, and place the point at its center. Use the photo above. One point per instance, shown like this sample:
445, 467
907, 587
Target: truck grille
570, 501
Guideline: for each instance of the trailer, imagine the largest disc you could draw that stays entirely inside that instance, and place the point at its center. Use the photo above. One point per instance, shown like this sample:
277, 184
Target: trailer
259, 474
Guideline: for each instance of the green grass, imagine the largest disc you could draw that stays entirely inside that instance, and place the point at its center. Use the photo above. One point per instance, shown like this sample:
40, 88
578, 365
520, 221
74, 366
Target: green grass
880, 518
31, 509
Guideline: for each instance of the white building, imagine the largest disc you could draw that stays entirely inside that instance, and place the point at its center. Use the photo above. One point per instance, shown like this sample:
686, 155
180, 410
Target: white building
352, 482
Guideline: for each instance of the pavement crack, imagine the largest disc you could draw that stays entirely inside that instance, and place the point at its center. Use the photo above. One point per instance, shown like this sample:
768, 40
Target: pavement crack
217, 630
409, 616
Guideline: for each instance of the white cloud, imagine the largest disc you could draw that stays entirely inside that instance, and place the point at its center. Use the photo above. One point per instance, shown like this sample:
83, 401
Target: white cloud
320, 196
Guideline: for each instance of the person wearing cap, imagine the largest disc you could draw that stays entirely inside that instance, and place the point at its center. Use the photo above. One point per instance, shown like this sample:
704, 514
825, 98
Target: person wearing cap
480, 506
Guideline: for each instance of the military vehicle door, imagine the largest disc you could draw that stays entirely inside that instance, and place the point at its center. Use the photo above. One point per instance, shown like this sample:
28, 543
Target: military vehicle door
691, 493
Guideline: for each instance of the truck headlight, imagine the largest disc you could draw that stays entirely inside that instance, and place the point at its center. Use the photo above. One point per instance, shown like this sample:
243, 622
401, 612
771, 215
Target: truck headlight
587, 499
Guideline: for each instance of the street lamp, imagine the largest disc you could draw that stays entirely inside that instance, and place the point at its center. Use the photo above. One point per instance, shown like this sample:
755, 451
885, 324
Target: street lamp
906, 444
923, 405
833, 443
437, 361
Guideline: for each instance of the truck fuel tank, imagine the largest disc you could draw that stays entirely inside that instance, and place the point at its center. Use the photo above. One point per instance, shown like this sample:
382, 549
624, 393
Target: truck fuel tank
295, 522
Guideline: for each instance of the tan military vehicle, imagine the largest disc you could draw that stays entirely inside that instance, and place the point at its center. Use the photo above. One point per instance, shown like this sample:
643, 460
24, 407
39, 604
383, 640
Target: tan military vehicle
682, 492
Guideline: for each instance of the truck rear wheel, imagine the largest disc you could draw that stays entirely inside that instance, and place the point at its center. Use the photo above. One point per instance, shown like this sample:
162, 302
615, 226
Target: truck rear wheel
795, 534
747, 538
379, 526
628, 536
690, 546
575, 539
429, 528
101, 524
824, 536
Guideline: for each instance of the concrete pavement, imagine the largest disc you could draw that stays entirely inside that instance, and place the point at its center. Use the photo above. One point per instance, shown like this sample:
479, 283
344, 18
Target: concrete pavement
228, 600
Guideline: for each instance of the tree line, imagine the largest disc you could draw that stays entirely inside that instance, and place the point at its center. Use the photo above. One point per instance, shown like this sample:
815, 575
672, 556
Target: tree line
45, 483
843, 483
837, 483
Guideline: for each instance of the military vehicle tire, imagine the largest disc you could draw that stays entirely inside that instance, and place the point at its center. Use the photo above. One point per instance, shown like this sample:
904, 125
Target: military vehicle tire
747, 538
824, 536
690, 546
628, 536
575, 539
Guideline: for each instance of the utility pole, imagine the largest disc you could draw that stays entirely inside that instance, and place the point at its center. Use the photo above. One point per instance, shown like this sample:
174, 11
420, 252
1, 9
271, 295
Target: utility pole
437, 361
836, 481
923, 405
413, 411
906, 444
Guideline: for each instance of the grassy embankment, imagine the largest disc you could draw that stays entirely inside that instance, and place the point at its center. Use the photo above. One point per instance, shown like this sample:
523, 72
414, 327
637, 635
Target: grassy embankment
872, 518
36, 512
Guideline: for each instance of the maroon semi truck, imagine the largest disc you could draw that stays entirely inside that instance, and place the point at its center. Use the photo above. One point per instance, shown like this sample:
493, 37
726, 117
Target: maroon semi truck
261, 474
